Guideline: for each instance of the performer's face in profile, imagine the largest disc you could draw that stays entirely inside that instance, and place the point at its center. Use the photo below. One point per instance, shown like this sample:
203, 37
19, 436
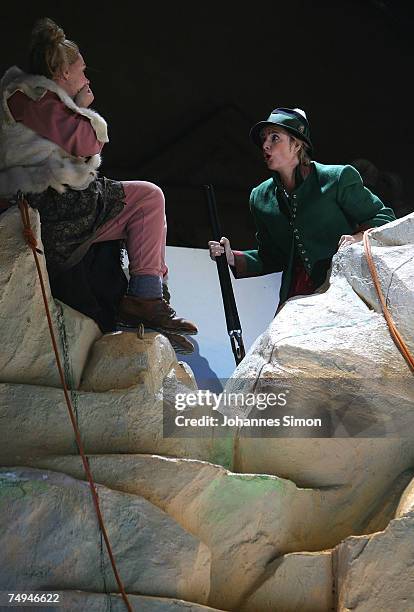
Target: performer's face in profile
73, 77
279, 148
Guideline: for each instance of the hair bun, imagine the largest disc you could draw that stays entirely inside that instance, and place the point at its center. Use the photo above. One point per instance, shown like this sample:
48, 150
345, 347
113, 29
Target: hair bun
47, 33
50, 51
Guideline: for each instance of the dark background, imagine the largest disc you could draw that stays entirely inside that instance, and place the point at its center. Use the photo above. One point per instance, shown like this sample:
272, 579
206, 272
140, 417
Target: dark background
180, 85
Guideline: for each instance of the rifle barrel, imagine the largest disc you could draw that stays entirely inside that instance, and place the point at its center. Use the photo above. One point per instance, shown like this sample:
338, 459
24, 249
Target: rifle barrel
230, 308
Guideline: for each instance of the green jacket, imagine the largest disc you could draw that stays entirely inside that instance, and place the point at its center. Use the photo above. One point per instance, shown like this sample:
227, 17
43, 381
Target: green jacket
329, 202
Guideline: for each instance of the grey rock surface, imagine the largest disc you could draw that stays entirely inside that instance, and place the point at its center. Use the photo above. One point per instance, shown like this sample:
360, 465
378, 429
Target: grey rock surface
393, 254
376, 572
27, 354
246, 520
98, 602
305, 521
122, 420
406, 503
334, 357
298, 581
53, 541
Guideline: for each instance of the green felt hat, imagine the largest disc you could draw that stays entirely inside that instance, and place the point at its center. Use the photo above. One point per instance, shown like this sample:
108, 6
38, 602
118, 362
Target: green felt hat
293, 120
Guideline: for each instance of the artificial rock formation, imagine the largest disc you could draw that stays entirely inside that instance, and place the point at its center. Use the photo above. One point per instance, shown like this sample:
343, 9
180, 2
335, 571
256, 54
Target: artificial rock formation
339, 363
333, 355
297, 581
128, 419
169, 560
53, 515
245, 519
233, 522
27, 356
97, 602
375, 572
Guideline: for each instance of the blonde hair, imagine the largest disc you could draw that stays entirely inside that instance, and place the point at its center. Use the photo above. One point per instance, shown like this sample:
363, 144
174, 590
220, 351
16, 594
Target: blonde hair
303, 155
50, 51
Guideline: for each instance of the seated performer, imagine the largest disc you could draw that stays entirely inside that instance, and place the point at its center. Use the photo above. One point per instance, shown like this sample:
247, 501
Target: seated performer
49, 150
304, 212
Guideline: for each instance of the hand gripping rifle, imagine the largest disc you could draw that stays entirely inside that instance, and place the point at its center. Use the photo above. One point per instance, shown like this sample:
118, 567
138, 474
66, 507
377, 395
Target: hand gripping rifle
230, 309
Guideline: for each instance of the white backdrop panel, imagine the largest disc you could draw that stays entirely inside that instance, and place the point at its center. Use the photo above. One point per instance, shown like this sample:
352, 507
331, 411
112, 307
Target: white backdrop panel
195, 295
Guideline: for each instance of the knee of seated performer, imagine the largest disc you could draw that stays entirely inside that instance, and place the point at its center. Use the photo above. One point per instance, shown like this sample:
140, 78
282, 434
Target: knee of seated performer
156, 201
139, 190
153, 196
157, 193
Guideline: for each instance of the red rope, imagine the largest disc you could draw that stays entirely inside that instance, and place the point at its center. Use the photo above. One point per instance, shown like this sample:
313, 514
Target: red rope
31, 241
396, 336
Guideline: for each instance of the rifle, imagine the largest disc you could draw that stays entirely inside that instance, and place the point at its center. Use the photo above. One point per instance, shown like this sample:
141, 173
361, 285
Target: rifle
230, 309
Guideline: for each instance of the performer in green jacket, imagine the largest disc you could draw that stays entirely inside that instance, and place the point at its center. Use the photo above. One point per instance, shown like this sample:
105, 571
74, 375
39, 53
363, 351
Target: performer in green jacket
304, 213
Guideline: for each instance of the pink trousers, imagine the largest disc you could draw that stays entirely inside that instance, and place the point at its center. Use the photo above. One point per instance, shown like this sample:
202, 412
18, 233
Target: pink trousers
142, 224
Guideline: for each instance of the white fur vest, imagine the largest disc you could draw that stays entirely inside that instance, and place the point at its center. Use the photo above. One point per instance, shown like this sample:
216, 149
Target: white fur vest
30, 163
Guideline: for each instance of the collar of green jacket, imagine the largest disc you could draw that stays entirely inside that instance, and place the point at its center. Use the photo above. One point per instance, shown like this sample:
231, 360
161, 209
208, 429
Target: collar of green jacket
300, 175
315, 176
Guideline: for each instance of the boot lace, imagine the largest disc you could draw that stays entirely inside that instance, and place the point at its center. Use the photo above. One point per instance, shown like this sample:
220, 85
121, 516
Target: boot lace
171, 312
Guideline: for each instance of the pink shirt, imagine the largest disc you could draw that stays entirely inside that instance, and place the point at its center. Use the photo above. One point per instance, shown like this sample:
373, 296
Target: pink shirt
51, 118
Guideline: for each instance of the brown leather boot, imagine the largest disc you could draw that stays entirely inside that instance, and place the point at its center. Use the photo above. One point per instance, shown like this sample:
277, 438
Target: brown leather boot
155, 313
180, 344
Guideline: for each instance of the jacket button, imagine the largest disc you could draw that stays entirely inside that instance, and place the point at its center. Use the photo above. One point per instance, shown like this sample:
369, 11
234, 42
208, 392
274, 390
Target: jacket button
300, 245
307, 259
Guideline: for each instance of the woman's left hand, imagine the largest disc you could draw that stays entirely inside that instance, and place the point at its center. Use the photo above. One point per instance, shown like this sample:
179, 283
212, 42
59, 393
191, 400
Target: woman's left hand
84, 97
348, 239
